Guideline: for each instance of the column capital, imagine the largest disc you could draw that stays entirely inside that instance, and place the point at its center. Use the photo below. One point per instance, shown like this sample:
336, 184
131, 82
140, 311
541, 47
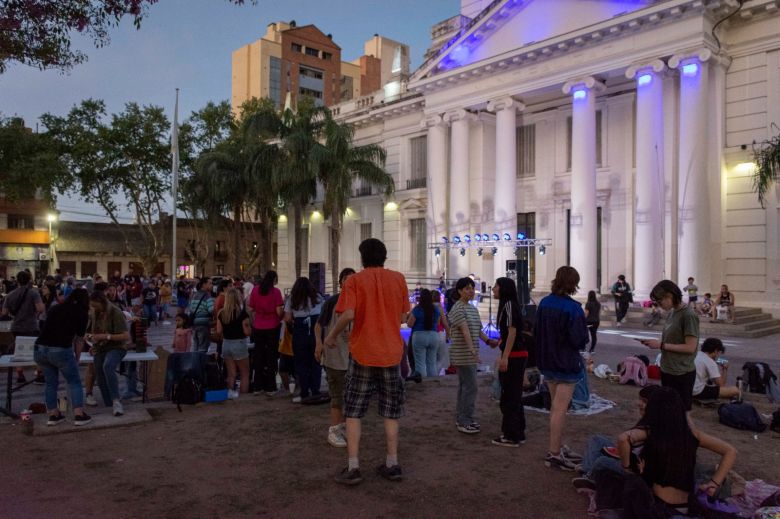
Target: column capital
655, 66
701, 55
589, 82
458, 115
505, 103
432, 120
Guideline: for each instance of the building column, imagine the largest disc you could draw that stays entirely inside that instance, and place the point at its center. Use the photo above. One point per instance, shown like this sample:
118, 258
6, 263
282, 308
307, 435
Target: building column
693, 230
460, 203
649, 186
583, 221
505, 189
436, 217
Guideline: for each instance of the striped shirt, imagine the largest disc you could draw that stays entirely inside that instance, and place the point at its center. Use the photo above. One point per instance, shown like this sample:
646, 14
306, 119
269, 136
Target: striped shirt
460, 353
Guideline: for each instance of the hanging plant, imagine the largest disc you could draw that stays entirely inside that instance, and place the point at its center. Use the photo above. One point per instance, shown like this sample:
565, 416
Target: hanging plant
767, 158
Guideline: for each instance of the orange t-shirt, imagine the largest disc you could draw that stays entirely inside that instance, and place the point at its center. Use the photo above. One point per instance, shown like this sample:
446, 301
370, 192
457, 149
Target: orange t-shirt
378, 297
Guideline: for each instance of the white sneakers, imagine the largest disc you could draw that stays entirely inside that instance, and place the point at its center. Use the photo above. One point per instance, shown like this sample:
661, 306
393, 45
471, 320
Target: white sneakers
118, 409
90, 400
337, 435
232, 394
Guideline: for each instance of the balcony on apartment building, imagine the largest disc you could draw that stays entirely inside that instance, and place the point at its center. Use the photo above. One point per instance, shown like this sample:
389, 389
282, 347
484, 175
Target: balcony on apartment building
417, 183
363, 191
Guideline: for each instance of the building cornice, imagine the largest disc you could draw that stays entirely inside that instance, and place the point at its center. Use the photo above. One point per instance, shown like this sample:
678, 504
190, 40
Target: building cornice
434, 78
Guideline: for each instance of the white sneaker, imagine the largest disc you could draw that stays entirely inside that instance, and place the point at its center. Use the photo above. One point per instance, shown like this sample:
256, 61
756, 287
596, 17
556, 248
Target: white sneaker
335, 437
90, 401
296, 400
232, 394
118, 409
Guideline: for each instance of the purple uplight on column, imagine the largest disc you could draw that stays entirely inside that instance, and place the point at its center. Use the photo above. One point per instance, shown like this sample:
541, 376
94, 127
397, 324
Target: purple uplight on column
580, 93
644, 79
690, 69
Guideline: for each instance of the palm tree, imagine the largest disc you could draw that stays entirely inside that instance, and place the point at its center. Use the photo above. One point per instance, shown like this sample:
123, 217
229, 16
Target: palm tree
295, 173
341, 163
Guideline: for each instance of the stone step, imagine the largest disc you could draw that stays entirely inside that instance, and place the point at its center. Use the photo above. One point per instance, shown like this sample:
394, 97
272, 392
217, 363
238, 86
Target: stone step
710, 329
748, 321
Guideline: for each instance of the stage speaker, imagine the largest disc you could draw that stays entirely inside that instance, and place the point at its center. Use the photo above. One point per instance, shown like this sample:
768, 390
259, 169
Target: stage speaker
317, 275
523, 291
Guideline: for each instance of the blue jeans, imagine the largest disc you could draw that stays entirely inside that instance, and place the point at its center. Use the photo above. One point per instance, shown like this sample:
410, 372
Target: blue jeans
594, 459
425, 345
106, 365
52, 360
201, 338
132, 380
467, 395
150, 312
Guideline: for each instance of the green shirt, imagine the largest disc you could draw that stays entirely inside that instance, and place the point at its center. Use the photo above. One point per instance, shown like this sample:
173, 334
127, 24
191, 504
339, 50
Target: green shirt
112, 322
680, 323
460, 353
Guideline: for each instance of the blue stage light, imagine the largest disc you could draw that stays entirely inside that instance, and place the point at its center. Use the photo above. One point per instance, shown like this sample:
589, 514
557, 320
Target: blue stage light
477, 237
456, 239
485, 237
507, 236
496, 237
445, 240
542, 250
462, 252
520, 236
467, 238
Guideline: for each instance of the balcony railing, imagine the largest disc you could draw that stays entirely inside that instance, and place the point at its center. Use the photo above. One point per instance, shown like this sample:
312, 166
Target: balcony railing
416, 183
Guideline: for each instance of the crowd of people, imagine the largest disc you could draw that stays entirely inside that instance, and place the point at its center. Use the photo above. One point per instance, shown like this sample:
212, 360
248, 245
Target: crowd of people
355, 335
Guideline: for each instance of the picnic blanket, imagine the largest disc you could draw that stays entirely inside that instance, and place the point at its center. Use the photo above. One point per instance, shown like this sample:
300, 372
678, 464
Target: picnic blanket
596, 405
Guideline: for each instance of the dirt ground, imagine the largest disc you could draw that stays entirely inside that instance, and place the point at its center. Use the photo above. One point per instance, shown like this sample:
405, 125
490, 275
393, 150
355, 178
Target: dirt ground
267, 457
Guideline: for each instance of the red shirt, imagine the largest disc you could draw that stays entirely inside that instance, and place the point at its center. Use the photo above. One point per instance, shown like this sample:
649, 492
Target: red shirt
265, 307
378, 297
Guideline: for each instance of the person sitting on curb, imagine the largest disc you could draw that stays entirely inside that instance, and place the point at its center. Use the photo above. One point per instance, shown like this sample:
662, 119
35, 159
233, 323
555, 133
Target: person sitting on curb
711, 375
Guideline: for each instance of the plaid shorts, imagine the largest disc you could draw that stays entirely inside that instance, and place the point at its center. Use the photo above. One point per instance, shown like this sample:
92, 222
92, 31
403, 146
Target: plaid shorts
364, 381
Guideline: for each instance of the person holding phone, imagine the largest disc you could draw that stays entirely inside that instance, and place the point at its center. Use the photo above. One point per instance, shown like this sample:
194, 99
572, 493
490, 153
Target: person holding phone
679, 341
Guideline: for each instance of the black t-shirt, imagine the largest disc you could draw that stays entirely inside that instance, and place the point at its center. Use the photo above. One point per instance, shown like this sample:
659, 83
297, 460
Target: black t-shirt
509, 316
64, 322
149, 295
594, 311
235, 328
327, 310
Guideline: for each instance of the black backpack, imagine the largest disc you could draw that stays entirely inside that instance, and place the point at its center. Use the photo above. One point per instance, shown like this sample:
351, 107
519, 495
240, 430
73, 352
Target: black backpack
756, 376
741, 415
775, 421
213, 375
187, 391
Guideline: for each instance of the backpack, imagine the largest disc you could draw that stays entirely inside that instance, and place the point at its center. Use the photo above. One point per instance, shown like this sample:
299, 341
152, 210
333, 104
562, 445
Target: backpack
757, 376
634, 371
775, 426
187, 391
213, 375
741, 415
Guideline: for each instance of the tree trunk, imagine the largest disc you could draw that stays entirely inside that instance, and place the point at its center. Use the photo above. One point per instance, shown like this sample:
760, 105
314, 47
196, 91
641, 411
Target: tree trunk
236, 240
149, 263
297, 224
335, 239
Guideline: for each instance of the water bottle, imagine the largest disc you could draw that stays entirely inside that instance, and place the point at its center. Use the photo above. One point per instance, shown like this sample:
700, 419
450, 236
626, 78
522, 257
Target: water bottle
739, 389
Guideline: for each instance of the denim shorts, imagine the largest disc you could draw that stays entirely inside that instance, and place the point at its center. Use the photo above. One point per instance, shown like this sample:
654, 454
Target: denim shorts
560, 377
236, 349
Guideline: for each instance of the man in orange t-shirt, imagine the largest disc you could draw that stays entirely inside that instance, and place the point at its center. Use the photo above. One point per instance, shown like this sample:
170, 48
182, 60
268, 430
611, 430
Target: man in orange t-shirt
375, 301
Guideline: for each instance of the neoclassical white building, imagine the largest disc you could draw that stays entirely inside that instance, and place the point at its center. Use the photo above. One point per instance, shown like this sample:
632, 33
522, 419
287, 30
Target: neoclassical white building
618, 130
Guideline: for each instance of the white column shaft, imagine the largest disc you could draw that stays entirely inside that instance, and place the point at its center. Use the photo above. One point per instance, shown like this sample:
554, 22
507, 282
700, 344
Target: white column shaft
583, 221
437, 192
648, 252
459, 192
694, 219
505, 194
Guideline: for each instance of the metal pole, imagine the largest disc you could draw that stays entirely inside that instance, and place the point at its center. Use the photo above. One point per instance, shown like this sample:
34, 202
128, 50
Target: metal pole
174, 183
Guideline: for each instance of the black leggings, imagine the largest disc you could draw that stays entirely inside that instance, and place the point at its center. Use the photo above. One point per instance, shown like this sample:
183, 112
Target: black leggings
513, 422
265, 358
593, 328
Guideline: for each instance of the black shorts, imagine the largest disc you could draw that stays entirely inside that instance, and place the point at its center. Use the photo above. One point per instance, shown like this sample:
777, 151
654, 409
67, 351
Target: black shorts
709, 393
683, 384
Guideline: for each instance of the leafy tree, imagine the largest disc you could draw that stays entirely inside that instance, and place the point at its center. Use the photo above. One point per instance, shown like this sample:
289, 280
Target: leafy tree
29, 163
121, 163
295, 173
340, 166
38, 32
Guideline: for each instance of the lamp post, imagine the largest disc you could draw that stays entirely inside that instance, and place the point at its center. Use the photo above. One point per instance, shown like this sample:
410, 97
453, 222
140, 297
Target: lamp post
51, 218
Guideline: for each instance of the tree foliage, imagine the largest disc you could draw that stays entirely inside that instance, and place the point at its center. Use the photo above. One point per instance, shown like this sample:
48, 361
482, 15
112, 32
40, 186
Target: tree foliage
122, 163
39, 32
29, 163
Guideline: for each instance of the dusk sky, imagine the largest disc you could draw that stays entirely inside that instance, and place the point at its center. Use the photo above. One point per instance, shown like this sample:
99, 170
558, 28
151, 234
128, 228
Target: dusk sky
187, 44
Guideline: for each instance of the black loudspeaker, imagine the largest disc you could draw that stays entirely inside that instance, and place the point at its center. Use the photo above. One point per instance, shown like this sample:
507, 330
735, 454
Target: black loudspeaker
317, 276
510, 265
523, 290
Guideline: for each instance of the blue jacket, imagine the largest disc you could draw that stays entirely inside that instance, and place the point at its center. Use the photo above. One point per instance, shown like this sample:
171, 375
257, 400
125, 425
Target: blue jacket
561, 333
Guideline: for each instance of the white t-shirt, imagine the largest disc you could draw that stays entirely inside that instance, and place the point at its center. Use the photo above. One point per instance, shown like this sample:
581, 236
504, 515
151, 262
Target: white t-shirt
706, 370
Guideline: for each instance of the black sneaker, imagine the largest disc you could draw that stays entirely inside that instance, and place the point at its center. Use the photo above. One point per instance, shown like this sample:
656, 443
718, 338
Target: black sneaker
349, 477
583, 483
393, 473
55, 419
82, 419
570, 455
503, 441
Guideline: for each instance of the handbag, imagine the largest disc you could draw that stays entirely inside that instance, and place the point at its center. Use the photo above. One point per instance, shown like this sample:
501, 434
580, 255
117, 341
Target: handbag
285, 345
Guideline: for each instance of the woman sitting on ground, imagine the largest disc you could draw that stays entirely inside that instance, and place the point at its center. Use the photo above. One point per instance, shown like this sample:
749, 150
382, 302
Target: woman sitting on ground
233, 326
668, 458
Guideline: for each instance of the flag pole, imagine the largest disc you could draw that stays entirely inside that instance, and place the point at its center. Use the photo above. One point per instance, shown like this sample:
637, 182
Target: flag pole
174, 183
